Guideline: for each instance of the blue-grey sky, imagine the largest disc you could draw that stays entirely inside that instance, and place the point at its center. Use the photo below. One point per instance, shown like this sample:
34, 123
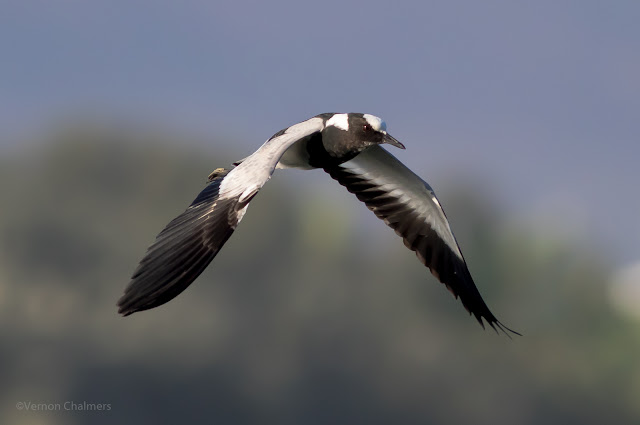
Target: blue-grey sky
539, 100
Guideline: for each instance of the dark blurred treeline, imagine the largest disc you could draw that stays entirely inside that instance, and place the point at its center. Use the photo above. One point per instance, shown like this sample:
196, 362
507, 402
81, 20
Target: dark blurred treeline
313, 313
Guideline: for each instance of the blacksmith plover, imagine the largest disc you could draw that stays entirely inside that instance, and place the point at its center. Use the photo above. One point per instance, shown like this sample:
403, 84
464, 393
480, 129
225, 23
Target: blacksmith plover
347, 147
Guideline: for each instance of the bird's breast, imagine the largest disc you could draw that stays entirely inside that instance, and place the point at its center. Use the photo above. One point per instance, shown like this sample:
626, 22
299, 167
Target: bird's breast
325, 151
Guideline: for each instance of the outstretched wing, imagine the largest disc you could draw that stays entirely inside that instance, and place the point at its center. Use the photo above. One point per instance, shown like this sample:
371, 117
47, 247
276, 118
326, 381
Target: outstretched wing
183, 249
407, 204
189, 242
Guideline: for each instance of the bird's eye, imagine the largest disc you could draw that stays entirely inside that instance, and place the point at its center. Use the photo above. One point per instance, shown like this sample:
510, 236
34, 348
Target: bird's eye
366, 127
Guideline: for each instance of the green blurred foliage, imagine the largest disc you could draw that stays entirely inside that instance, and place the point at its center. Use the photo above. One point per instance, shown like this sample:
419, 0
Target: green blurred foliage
313, 313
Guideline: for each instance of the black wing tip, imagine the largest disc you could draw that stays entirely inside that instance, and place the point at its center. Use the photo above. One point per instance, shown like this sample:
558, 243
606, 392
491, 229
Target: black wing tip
497, 326
507, 330
482, 313
127, 307
133, 301
124, 312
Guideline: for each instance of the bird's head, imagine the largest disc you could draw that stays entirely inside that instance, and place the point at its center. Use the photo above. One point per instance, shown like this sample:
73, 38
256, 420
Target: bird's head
346, 135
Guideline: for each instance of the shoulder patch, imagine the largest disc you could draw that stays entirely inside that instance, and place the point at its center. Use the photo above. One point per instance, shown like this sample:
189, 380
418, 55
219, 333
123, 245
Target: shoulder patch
340, 121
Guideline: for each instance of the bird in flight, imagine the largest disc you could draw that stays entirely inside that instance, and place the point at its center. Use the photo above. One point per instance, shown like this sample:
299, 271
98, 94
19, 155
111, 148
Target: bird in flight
348, 147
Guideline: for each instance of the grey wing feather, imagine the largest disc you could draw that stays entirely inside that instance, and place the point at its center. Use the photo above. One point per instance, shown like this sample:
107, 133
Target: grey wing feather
408, 205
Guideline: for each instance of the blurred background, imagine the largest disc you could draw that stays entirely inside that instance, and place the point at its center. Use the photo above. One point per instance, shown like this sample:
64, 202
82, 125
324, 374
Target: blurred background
524, 117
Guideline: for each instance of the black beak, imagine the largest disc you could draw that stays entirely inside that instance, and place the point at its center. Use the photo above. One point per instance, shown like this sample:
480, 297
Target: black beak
388, 139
